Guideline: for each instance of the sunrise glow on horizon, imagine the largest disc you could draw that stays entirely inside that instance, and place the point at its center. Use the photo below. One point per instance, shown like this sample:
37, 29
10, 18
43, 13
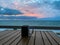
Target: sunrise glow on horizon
32, 8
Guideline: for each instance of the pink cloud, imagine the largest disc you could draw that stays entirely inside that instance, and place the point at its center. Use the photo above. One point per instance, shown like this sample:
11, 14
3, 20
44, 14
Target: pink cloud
43, 11
34, 15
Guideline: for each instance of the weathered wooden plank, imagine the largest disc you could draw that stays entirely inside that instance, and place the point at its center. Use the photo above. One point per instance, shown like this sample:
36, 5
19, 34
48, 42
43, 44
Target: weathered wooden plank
2, 32
31, 31
5, 32
16, 40
55, 37
7, 38
38, 40
51, 39
31, 41
24, 41
7, 35
13, 38
45, 39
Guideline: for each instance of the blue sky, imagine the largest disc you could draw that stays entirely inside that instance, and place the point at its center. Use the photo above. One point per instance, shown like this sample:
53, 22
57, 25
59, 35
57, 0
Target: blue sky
32, 8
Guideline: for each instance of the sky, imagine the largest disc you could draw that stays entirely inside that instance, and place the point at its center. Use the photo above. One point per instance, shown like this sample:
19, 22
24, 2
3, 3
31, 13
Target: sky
33, 8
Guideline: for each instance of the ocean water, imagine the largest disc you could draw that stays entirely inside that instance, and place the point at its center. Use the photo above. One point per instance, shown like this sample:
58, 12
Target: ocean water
30, 23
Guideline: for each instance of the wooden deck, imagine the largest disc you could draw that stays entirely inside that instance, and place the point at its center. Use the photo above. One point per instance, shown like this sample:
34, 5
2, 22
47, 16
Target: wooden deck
13, 37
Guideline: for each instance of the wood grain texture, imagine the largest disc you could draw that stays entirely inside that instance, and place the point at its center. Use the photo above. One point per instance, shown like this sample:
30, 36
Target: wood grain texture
35, 38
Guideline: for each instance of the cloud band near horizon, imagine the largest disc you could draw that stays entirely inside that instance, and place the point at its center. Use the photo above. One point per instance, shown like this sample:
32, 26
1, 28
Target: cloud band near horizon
34, 8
